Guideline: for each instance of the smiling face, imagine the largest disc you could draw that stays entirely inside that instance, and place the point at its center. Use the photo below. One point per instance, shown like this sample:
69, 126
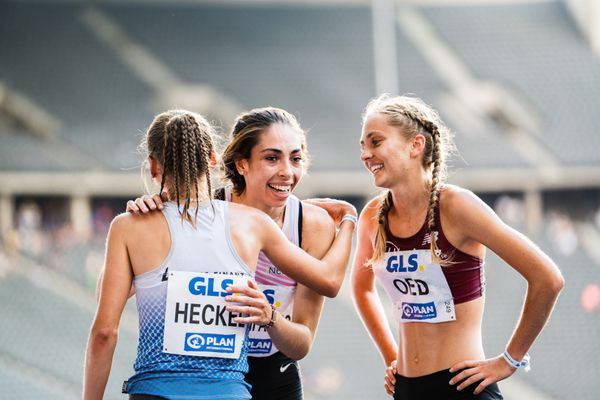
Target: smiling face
386, 153
275, 166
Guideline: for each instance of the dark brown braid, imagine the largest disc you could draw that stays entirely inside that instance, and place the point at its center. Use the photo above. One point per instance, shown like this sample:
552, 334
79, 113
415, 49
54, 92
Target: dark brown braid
181, 142
205, 152
195, 144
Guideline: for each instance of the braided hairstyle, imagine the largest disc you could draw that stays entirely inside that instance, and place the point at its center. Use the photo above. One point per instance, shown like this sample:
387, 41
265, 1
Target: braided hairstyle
182, 143
245, 134
414, 117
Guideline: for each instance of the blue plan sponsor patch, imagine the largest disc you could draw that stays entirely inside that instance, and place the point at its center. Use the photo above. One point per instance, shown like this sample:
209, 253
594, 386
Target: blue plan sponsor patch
260, 346
418, 311
209, 342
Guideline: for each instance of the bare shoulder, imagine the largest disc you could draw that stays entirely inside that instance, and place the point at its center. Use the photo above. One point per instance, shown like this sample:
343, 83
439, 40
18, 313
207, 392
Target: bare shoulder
130, 222
368, 215
316, 218
451, 193
468, 222
123, 223
247, 216
457, 202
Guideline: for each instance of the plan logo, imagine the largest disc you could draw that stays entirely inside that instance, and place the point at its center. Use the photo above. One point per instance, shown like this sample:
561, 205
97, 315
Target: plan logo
260, 346
209, 342
418, 311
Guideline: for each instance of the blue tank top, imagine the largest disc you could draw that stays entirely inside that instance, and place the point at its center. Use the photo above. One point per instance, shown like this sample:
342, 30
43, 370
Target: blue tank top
206, 248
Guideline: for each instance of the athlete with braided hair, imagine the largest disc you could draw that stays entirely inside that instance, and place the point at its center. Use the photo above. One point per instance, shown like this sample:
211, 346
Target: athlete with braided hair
424, 241
184, 263
264, 162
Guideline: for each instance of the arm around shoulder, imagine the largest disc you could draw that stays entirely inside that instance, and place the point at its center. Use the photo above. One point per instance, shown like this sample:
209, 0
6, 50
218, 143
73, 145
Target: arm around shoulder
294, 338
324, 276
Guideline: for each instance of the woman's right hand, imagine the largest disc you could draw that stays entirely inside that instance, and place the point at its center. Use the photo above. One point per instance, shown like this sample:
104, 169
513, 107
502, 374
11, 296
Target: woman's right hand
335, 208
146, 203
389, 381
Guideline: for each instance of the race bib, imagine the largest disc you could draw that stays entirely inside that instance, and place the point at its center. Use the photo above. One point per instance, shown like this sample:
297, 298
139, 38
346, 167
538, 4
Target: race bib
282, 297
196, 320
416, 286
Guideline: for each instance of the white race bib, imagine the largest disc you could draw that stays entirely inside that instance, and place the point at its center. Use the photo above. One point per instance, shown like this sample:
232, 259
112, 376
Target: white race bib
416, 286
196, 321
282, 297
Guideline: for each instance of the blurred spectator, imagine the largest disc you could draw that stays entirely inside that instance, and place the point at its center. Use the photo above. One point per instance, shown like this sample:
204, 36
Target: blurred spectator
103, 215
590, 297
93, 265
511, 210
561, 232
29, 224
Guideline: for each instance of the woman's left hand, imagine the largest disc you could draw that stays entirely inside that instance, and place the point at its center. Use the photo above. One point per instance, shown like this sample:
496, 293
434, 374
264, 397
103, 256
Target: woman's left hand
484, 371
251, 302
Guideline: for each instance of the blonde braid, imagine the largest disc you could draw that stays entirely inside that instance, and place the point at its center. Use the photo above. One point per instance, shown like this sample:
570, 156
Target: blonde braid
437, 162
383, 207
436, 254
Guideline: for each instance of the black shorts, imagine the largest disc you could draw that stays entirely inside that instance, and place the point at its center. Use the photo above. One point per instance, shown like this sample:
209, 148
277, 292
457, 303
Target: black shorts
276, 377
436, 386
145, 397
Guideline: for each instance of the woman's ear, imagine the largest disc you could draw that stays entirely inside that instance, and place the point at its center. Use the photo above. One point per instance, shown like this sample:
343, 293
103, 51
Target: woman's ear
241, 166
155, 168
214, 160
418, 146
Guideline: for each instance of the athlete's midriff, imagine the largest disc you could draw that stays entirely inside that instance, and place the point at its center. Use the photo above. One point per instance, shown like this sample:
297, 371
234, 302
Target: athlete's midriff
427, 348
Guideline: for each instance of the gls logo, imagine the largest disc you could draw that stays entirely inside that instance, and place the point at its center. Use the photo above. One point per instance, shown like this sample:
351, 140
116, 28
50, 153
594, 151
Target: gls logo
205, 287
270, 295
396, 263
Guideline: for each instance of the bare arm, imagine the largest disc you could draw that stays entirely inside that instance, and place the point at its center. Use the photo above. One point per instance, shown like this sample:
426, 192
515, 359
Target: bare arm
544, 281
324, 276
294, 338
114, 289
366, 299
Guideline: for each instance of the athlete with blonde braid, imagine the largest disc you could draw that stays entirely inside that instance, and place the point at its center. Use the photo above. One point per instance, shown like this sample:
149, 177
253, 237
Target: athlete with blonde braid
424, 241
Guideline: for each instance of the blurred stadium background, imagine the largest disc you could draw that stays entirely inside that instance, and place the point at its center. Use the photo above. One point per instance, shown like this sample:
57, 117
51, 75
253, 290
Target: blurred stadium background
518, 81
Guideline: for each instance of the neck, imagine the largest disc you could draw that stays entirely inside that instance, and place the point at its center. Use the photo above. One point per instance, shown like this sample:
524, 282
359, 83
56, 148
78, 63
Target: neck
413, 198
202, 198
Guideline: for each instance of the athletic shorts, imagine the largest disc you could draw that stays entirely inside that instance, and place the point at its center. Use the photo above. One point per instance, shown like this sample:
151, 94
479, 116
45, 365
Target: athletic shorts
145, 397
276, 377
436, 386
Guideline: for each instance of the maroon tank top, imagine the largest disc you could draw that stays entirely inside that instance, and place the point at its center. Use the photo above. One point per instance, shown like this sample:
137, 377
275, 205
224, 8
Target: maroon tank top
465, 273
